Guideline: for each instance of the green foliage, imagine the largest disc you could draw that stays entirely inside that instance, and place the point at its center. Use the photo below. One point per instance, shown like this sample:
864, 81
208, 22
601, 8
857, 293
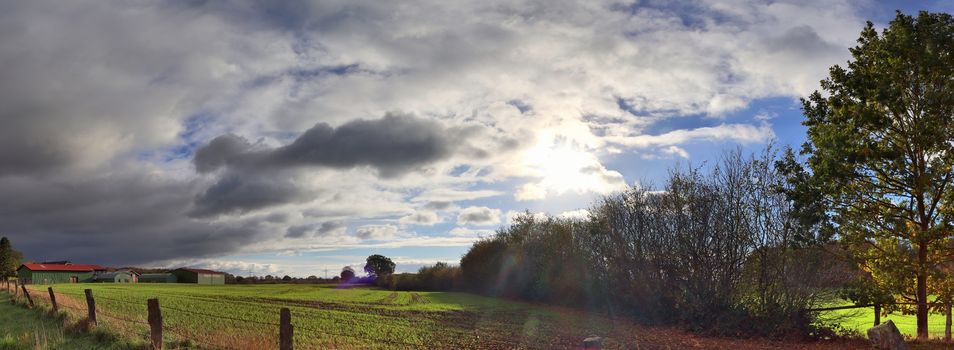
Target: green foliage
881, 151
9, 258
439, 277
535, 259
347, 273
722, 251
855, 322
482, 263
861, 291
379, 265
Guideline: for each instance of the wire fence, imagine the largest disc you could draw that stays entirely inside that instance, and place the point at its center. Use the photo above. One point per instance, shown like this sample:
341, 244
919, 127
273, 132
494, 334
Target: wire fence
879, 307
185, 325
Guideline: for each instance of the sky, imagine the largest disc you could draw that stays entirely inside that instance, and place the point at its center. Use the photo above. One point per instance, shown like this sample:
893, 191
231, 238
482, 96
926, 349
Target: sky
302, 136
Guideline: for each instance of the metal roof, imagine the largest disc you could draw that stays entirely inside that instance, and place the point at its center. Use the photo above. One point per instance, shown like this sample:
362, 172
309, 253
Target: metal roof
61, 267
157, 277
201, 271
112, 275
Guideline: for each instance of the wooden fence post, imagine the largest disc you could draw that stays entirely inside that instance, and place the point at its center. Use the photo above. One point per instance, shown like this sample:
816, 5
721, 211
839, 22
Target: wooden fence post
947, 323
27, 295
90, 306
155, 323
56, 308
285, 330
877, 314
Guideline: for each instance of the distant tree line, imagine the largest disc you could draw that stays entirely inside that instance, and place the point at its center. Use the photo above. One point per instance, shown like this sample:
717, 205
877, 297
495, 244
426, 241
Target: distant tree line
438, 277
377, 266
269, 279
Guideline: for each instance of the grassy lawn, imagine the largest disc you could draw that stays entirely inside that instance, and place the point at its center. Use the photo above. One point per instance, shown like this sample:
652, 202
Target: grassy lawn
863, 318
246, 317
22, 328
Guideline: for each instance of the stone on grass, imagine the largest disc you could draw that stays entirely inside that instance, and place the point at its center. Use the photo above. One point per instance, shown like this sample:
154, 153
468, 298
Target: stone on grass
886, 336
593, 342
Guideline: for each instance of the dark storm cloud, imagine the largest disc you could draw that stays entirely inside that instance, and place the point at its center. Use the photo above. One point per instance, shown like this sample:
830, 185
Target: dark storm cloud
278, 218
394, 145
125, 217
236, 193
85, 82
22, 151
309, 231
219, 152
256, 178
439, 205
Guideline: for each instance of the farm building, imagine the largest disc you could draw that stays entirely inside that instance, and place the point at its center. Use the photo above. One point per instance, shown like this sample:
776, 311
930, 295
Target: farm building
200, 276
121, 276
30, 273
157, 278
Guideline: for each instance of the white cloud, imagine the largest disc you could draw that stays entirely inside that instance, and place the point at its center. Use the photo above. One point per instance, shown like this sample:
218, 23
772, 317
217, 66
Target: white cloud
405, 260
399, 241
236, 267
551, 89
480, 216
575, 214
376, 232
512, 214
560, 165
676, 151
454, 195
530, 191
743, 133
470, 232
426, 218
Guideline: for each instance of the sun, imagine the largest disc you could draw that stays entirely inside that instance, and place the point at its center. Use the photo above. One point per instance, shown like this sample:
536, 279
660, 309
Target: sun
563, 166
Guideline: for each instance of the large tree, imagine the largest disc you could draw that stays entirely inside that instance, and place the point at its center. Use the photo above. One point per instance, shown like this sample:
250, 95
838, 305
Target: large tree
9, 258
880, 149
347, 273
379, 265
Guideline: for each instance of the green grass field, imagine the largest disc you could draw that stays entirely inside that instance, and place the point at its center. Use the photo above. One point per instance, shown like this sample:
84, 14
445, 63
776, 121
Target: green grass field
246, 316
324, 316
861, 319
22, 328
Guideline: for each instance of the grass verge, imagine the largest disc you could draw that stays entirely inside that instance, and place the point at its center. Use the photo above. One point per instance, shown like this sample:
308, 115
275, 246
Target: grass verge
24, 328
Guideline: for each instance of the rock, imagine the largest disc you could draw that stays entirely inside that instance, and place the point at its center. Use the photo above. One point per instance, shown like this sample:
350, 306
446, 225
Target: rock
593, 342
886, 336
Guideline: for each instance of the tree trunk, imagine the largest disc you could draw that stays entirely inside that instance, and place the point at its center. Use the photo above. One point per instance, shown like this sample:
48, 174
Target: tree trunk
922, 314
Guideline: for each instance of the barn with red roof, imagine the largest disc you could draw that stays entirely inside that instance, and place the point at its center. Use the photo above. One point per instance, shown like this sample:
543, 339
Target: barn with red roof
57, 272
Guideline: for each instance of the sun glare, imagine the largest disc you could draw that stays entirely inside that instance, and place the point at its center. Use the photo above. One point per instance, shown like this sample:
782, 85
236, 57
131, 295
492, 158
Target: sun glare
563, 166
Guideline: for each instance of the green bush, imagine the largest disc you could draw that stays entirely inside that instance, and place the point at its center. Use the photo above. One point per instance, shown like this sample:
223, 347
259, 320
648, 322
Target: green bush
439, 277
719, 251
